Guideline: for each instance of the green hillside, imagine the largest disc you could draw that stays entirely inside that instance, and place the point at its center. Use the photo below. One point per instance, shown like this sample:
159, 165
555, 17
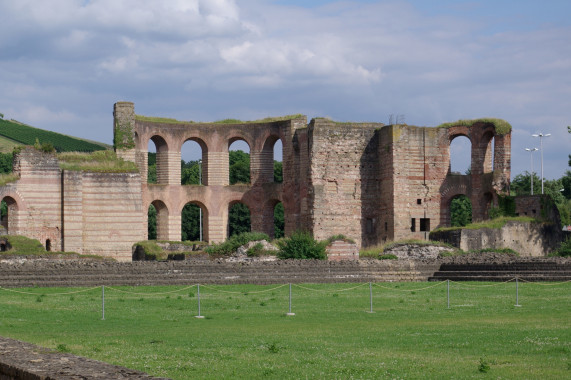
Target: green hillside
13, 133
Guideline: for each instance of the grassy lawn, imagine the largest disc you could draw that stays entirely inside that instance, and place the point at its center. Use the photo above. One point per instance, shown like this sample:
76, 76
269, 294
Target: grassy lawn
245, 333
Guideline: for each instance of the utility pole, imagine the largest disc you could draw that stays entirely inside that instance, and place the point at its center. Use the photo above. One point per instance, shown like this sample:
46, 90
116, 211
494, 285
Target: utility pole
531, 150
541, 136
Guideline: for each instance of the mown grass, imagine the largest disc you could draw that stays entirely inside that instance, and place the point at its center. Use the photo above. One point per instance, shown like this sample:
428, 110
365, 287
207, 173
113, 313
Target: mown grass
411, 334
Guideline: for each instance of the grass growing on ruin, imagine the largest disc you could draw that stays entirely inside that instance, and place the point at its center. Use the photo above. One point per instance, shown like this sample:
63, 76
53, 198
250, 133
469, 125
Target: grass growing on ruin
245, 333
495, 223
502, 126
6, 178
103, 161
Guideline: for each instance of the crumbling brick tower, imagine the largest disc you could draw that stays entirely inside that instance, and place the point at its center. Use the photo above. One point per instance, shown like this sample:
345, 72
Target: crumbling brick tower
368, 181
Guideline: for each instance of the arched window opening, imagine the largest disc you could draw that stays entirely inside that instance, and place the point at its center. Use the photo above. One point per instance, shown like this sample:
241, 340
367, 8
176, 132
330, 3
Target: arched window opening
157, 160
192, 163
192, 222
460, 155
157, 221
460, 211
278, 161
279, 220
8, 208
239, 162
238, 219
48, 245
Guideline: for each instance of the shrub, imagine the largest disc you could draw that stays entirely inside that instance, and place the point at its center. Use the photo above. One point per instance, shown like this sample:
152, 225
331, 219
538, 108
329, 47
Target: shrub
301, 245
388, 256
234, 242
256, 250
564, 249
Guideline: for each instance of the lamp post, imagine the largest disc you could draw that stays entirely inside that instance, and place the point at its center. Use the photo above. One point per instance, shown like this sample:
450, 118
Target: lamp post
541, 136
200, 208
531, 150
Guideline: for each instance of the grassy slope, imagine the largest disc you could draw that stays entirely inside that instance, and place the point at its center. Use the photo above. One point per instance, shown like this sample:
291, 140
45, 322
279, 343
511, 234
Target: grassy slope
14, 133
246, 335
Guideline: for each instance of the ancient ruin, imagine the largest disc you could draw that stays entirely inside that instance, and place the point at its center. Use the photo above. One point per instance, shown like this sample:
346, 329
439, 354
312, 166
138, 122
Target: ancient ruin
368, 181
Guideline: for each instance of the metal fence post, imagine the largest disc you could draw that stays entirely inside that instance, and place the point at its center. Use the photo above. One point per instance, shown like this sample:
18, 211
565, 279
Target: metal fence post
198, 295
103, 302
290, 313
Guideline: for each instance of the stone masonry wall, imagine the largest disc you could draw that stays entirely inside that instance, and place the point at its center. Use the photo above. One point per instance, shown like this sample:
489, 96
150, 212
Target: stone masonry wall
527, 239
342, 162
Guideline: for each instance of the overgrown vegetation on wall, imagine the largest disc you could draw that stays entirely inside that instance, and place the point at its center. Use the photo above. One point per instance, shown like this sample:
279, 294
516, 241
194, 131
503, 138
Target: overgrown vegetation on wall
301, 245
502, 126
123, 136
167, 120
101, 161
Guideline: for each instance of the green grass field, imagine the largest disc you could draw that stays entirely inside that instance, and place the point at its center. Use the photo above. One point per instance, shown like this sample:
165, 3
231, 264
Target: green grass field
246, 334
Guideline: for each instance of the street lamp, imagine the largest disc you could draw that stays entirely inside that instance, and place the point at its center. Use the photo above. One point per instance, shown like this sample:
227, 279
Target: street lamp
531, 150
541, 136
200, 208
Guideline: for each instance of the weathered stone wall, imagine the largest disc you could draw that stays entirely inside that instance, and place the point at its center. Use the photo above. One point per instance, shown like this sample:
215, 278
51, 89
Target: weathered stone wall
527, 239
342, 163
23, 273
34, 201
340, 250
88, 213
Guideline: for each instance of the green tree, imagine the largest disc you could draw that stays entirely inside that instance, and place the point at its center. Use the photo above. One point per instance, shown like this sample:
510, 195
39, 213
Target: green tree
6, 160
152, 168
239, 167
521, 184
279, 221
190, 222
278, 172
460, 211
152, 223
238, 219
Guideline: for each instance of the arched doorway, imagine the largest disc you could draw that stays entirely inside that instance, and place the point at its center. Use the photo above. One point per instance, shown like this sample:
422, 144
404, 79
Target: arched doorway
157, 222
193, 217
9, 208
239, 162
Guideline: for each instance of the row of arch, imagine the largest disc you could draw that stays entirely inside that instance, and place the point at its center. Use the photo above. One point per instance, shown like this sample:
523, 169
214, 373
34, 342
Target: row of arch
195, 151
195, 221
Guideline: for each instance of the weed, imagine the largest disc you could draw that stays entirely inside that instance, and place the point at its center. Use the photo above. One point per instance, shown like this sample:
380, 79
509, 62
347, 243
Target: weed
483, 366
62, 348
273, 348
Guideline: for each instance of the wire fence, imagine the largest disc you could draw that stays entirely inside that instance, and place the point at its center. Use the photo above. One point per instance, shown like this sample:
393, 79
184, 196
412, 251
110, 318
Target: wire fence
376, 292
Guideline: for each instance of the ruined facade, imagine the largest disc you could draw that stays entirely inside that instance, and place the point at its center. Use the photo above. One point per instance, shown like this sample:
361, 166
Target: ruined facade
368, 181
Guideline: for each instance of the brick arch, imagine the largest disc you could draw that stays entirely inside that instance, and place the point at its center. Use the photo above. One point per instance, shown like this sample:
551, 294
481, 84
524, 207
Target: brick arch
451, 137
162, 218
265, 159
449, 193
267, 219
11, 221
205, 218
203, 156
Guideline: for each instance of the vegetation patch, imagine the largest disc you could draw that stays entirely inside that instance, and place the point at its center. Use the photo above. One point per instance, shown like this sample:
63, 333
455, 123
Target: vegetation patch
493, 223
301, 245
564, 249
23, 245
234, 242
6, 178
502, 126
27, 135
339, 237
166, 120
105, 161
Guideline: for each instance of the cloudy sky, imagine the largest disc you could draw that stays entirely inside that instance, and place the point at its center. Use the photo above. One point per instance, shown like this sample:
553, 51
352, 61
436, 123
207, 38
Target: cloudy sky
64, 63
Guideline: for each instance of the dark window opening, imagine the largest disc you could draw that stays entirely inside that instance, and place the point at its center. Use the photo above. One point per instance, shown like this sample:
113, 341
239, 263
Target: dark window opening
533, 211
419, 201
369, 226
48, 245
413, 225
386, 226
425, 224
